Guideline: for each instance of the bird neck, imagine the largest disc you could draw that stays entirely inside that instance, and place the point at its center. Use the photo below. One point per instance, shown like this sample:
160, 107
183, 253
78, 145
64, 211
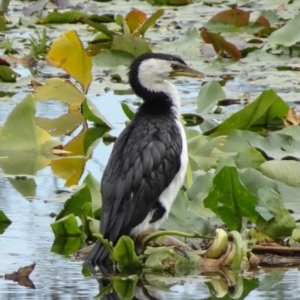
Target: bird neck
158, 96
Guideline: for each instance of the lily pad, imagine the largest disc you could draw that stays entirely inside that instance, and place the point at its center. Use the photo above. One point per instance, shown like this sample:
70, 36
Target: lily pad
230, 200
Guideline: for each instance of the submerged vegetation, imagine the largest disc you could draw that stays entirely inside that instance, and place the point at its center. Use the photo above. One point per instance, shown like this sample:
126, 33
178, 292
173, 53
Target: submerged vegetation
244, 168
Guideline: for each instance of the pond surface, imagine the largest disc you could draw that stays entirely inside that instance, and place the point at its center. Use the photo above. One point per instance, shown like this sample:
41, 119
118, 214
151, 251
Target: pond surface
30, 239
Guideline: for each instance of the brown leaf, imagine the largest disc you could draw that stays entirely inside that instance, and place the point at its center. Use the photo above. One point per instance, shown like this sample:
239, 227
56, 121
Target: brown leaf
3, 62
291, 118
263, 21
220, 44
22, 276
235, 16
134, 19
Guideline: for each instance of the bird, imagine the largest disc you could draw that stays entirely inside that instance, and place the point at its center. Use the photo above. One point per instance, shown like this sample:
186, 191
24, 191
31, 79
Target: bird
147, 165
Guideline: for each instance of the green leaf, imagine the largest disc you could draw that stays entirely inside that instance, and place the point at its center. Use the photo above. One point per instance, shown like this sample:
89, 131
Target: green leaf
260, 113
92, 114
124, 253
149, 22
249, 158
19, 131
287, 171
230, 200
94, 188
66, 246
66, 227
112, 58
70, 17
7, 74
133, 45
87, 212
183, 218
100, 27
74, 204
281, 224
63, 125
4, 222
127, 111
125, 287
287, 35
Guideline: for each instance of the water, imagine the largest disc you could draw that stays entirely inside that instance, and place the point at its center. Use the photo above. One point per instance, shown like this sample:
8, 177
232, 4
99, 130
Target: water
29, 238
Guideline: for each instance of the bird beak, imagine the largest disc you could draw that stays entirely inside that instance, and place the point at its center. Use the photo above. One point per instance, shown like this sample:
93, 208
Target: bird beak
186, 71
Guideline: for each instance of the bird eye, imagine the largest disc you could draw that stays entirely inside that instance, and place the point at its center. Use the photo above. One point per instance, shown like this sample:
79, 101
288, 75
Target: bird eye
175, 67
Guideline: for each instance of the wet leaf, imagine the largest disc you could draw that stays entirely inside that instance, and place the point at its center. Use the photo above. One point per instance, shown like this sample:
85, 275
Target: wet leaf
71, 168
220, 44
148, 23
125, 287
286, 171
70, 17
64, 125
209, 96
4, 221
66, 245
19, 131
133, 45
74, 204
60, 89
230, 200
22, 276
7, 74
67, 52
124, 254
66, 227
113, 58
261, 112
287, 35
92, 114
192, 119
134, 19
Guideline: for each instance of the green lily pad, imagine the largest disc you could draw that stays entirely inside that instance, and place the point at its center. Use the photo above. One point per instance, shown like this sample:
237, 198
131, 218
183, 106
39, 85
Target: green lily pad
124, 254
4, 222
66, 227
74, 204
230, 200
92, 114
209, 96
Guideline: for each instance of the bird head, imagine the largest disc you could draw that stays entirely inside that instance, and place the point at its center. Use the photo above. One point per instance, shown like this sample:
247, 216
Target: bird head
149, 72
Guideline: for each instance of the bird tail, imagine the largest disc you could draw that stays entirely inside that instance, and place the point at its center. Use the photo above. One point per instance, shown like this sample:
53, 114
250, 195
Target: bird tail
98, 256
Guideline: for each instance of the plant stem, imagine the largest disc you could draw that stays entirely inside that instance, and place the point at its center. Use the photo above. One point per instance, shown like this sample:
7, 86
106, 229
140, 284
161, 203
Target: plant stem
172, 232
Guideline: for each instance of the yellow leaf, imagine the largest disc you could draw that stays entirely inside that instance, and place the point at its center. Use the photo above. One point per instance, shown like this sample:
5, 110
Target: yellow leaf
65, 124
291, 118
60, 89
71, 168
67, 52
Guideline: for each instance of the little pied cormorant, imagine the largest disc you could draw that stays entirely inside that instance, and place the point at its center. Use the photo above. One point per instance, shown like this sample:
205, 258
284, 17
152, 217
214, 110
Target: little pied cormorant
148, 162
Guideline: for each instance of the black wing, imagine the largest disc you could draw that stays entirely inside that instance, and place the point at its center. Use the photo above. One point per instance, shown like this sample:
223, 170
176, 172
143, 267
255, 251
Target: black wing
144, 161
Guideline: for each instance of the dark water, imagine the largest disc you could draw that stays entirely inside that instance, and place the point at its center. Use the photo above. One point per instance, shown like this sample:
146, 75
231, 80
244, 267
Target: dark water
29, 238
